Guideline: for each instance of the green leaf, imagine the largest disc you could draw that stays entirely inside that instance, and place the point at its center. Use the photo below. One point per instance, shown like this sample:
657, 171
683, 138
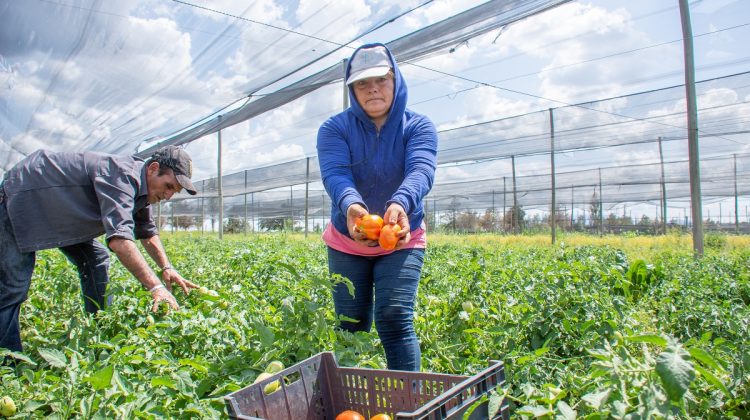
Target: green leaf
541, 351
267, 337
163, 381
675, 370
495, 404
101, 379
536, 411
566, 412
712, 379
16, 355
705, 358
596, 399
195, 365
648, 338
54, 357
291, 269
478, 403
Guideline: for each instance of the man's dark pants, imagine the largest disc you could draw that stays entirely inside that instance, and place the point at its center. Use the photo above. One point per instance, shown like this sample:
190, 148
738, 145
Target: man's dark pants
16, 267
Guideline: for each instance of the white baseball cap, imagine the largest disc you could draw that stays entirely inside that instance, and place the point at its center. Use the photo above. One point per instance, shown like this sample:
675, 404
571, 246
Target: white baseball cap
369, 62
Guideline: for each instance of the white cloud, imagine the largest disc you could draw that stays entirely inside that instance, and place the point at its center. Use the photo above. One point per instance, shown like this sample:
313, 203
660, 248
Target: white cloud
281, 153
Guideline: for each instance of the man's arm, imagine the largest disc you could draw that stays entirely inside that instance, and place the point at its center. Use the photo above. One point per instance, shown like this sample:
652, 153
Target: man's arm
156, 250
132, 259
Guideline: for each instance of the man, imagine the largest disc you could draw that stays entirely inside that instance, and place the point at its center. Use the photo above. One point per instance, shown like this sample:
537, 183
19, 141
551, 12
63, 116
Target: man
67, 200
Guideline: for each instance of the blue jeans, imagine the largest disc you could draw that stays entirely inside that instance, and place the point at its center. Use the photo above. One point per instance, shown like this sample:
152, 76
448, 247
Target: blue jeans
16, 267
385, 288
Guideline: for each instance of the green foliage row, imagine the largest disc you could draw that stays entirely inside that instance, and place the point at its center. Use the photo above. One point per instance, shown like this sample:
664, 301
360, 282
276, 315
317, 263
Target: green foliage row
584, 331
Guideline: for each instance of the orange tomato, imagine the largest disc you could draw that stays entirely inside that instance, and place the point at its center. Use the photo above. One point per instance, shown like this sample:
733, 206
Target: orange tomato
350, 415
389, 236
381, 417
370, 225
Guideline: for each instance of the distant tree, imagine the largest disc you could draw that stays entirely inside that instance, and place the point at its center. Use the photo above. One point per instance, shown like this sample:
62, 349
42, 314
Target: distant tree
235, 225
515, 219
272, 224
184, 222
489, 222
595, 209
467, 221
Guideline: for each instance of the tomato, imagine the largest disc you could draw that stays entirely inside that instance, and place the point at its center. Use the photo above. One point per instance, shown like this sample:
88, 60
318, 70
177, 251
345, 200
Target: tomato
350, 415
370, 225
381, 417
274, 367
389, 236
8, 406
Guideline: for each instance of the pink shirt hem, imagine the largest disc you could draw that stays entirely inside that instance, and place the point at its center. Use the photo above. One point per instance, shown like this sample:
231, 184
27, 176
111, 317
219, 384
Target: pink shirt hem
344, 243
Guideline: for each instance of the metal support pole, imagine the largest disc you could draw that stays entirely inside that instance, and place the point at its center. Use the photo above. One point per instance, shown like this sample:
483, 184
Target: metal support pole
220, 191
307, 194
601, 206
291, 208
244, 221
663, 190
572, 220
504, 205
736, 199
692, 118
553, 210
514, 216
203, 206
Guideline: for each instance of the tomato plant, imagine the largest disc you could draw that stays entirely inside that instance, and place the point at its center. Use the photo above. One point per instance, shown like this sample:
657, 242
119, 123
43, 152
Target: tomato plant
572, 339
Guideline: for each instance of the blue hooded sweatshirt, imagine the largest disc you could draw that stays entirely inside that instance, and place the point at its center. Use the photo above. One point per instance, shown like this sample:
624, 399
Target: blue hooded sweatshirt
358, 164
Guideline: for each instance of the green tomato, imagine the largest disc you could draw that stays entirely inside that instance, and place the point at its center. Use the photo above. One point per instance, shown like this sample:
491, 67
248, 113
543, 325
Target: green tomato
7, 406
274, 367
270, 388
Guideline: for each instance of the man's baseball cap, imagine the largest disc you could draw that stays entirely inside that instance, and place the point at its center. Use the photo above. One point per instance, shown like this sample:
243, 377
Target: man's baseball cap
179, 161
369, 62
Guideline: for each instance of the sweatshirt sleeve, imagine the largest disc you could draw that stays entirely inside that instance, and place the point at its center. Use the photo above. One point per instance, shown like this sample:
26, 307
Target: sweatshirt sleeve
335, 165
421, 160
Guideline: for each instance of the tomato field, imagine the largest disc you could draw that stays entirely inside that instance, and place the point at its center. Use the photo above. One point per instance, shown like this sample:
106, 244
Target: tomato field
591, 330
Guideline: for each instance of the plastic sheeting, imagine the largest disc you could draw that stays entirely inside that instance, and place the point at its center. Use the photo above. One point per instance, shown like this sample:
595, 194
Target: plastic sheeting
418, 45
119, 75
589, 138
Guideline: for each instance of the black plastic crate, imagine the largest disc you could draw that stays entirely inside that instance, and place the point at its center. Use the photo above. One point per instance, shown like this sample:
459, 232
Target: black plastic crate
317, 388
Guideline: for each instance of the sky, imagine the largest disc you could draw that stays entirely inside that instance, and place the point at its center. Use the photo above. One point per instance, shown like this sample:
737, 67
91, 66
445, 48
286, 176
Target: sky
111, 75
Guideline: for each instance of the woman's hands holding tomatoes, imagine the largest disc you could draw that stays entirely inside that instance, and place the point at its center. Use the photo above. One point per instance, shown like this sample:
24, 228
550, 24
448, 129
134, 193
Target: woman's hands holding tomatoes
354, 215
396, 215
366, 228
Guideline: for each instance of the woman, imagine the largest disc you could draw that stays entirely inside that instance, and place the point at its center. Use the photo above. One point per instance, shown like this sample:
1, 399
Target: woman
378, 157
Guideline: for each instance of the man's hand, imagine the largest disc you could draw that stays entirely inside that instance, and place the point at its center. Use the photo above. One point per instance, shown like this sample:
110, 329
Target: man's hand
160, 295
354, 212
171, 277
396, 214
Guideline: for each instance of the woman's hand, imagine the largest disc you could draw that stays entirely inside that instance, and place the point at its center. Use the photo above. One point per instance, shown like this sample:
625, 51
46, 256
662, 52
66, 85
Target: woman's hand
354, 212
397, 214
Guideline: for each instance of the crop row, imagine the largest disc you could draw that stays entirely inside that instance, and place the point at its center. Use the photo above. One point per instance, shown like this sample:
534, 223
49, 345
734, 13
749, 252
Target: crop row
584, 331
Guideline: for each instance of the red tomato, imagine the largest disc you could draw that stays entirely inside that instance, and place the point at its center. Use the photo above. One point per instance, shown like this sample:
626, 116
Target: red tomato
389, 236
381, 417
370, 225
350, 415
